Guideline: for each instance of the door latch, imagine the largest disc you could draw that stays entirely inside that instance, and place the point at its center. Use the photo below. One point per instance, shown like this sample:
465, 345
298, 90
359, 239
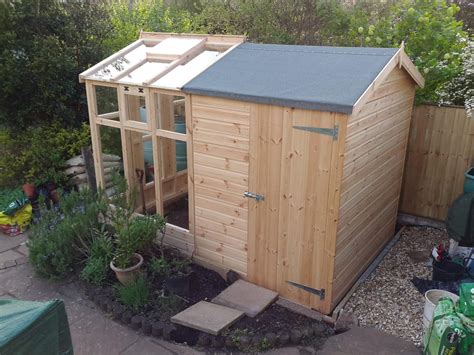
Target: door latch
253, 195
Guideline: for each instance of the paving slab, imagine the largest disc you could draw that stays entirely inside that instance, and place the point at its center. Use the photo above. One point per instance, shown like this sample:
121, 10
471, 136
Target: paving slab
246, 297
7, 242
367, 341
98, 335
9, 255
207, 317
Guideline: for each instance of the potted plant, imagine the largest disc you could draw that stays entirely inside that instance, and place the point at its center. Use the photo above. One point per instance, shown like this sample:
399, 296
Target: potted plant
132, 234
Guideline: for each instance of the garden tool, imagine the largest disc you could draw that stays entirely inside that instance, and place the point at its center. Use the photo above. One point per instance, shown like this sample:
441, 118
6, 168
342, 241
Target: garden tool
140, 174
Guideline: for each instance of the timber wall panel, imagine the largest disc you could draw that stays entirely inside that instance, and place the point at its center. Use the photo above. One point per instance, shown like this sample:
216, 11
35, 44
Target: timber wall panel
221, 165
440, 150
371, 180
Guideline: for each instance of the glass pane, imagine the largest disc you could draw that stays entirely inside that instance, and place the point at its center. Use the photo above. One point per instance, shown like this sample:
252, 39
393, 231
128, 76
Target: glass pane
136, 108
174, 181
141, 165
170, 113
121, 64
144, 72
106, 101
112, 159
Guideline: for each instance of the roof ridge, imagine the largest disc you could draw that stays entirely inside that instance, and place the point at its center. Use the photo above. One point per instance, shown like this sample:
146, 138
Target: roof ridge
246, 47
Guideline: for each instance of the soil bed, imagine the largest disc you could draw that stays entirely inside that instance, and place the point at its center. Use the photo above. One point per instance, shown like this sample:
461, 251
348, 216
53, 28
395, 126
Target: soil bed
388, 300
281, 326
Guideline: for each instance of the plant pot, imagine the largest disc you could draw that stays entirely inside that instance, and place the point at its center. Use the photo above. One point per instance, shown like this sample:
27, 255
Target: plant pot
30, 191
130, 274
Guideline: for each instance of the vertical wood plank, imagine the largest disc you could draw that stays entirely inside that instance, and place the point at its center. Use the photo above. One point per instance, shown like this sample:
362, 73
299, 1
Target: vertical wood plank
95, 134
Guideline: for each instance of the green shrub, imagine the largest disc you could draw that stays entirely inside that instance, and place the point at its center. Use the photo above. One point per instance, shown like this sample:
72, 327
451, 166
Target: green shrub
95, 271
56, 243
160, 267
100, 253
134, 295
51, 246
38, 154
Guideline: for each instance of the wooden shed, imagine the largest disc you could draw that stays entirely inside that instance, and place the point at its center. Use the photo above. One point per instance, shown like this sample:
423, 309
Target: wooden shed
282, 163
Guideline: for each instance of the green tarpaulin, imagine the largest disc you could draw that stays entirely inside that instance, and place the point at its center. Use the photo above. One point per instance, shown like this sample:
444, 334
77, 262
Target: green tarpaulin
34, 328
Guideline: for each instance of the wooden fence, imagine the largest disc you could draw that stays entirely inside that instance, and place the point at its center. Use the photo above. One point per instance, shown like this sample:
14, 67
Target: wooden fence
440, 150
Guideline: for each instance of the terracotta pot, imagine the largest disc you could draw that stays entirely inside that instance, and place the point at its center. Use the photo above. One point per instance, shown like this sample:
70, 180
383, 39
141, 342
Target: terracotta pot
130, 274
30, 191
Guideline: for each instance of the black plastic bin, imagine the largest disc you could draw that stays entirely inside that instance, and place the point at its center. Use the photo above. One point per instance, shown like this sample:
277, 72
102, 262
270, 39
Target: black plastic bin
447, 271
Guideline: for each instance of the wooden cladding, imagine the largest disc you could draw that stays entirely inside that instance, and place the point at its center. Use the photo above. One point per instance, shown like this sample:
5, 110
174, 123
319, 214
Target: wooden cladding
440, 150
374, 154
221, 170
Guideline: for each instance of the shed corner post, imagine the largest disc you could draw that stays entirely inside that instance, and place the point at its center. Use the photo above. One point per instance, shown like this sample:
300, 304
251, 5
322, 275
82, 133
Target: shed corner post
190, 156
337, 165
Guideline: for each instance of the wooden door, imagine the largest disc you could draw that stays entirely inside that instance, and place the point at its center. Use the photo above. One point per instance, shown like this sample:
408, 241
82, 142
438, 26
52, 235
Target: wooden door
290, 165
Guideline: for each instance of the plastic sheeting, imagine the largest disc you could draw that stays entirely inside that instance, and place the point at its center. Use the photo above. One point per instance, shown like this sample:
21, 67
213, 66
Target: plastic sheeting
34, 328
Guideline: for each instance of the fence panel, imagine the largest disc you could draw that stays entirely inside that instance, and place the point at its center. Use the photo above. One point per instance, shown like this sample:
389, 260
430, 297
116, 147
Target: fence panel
440, 150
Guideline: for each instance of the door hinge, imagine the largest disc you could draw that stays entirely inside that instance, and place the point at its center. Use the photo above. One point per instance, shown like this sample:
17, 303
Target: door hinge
253, 195
333, 132
318, 292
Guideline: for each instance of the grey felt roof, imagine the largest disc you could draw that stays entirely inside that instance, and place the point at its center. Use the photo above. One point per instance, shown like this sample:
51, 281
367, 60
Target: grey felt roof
317, 78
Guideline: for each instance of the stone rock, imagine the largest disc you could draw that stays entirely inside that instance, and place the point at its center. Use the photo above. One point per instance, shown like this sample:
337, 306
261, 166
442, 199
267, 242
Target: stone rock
157, 329
118, 311
244, 341
295, 336
169, 331
127, 317
319, 329
232, 276
257, 339
146, 326
307, 332
271, 339
283, 337
136, 322
217, 342
345, 321
204, 339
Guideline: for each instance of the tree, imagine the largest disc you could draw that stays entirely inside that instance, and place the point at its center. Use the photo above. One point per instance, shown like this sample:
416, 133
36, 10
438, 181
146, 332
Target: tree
44, 45
434, 39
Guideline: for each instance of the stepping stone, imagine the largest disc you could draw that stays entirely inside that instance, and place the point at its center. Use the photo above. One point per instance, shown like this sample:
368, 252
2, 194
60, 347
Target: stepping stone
246, 297
207, 317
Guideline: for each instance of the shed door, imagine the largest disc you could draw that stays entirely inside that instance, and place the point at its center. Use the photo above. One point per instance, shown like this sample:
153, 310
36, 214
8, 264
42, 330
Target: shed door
290, 167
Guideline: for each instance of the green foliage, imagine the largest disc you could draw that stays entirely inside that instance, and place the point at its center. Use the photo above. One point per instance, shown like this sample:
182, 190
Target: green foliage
38, 154
44, 45
434, 38
99, 255
137, 235
95, 271
128, 19
160, 266
56, 242
134, 295
275, 21
460, 91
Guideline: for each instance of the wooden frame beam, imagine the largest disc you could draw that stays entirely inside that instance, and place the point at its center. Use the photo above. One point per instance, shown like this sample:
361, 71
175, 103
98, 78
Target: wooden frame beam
189, 54
94, 69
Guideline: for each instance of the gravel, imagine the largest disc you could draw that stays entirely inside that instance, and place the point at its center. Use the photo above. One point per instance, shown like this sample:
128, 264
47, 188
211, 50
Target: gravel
387, 299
